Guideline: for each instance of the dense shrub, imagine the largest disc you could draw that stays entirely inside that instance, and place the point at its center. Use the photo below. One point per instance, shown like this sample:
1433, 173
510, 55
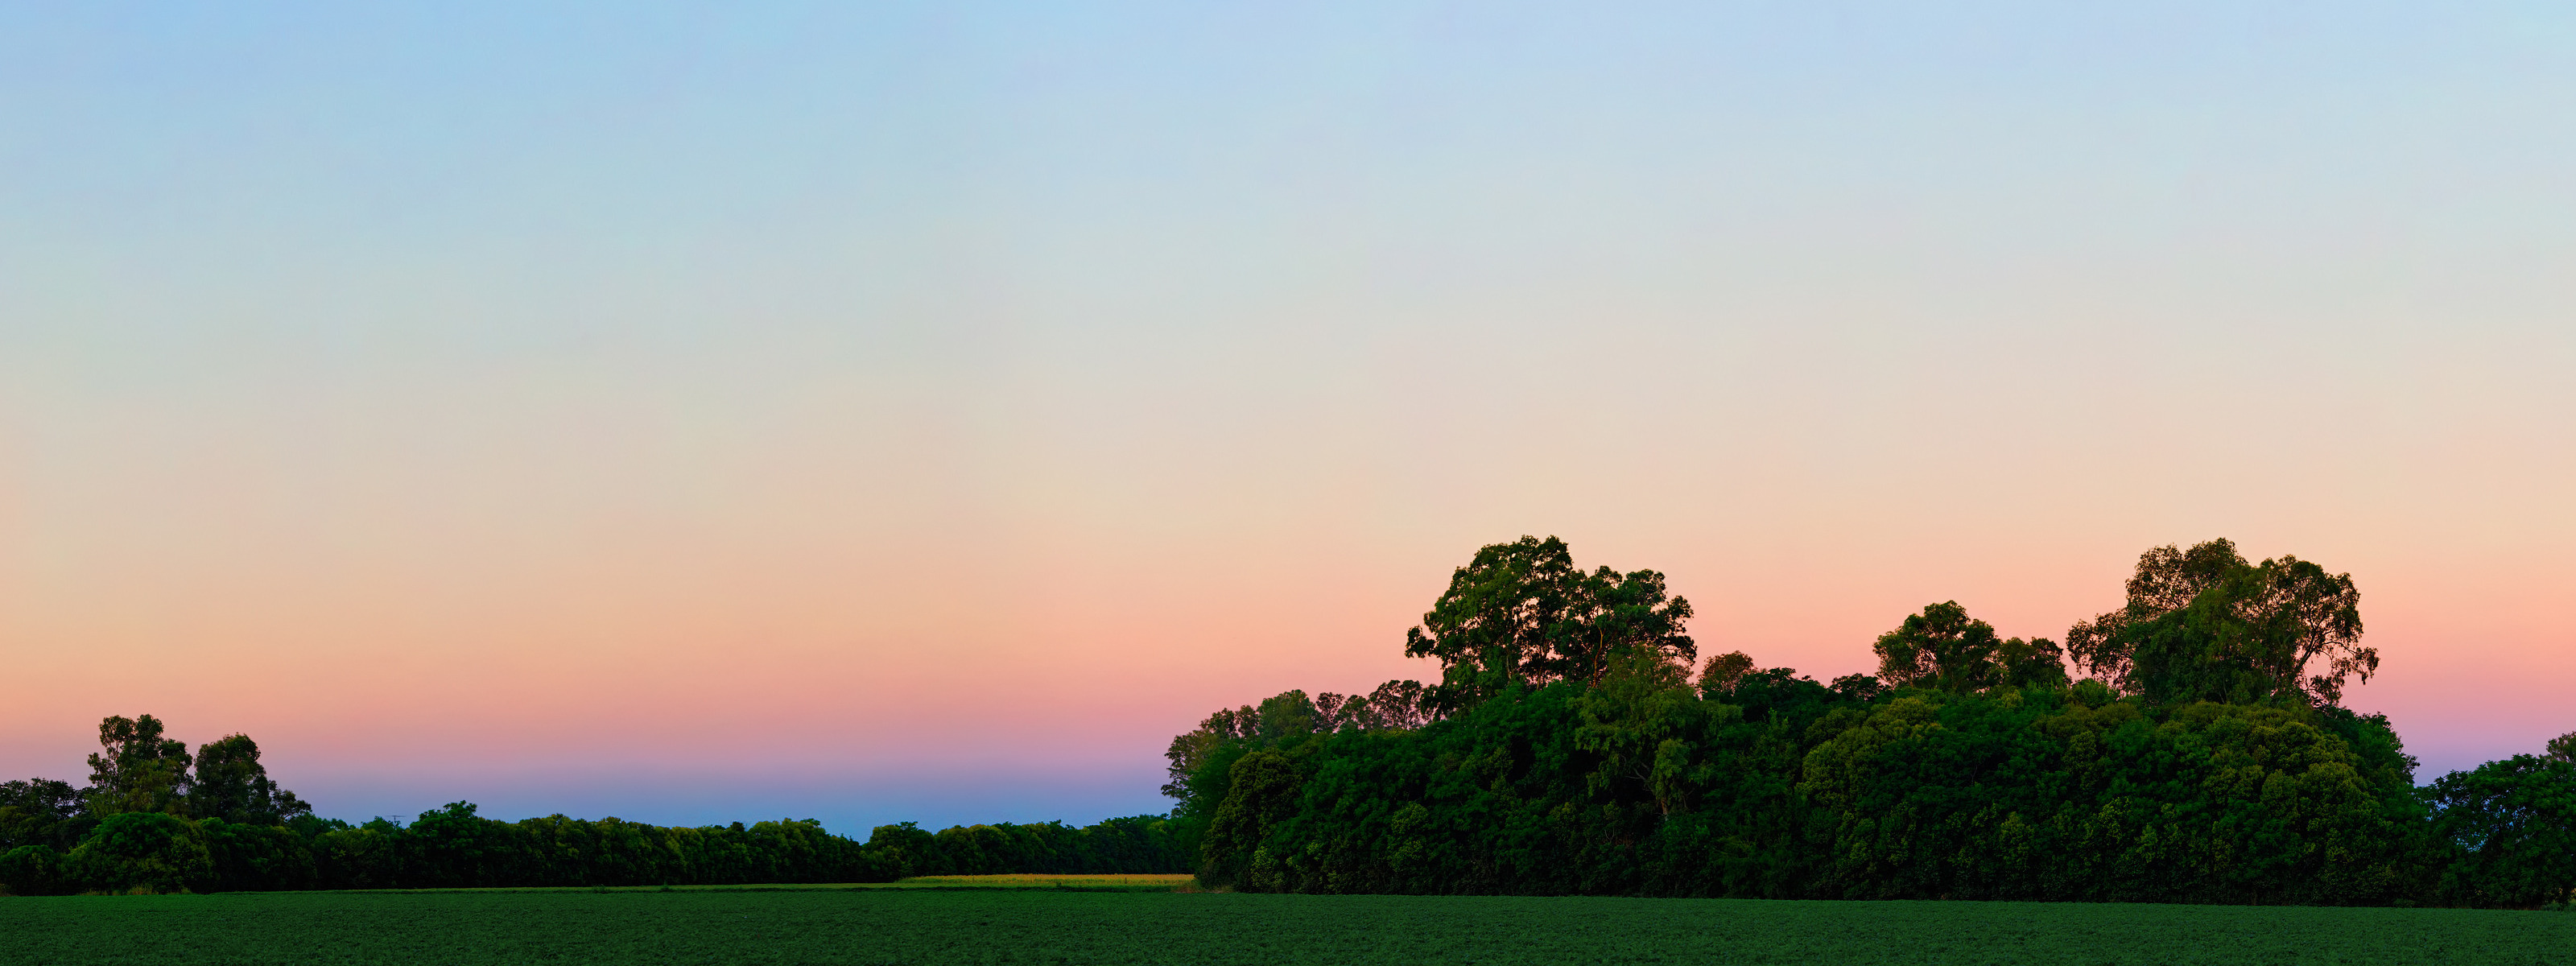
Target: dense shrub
143, 852
256, 857
1784, 787
453, 847
2512, 827
32, 870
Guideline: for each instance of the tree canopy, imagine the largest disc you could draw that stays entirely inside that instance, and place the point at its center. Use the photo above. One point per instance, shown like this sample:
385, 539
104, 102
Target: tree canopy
137, 769
232, 785
2203, 624
2206, 757
1523, 613
1944, 649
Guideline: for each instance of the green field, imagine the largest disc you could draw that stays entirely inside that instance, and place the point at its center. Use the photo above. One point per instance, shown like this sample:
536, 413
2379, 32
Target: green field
1062, 925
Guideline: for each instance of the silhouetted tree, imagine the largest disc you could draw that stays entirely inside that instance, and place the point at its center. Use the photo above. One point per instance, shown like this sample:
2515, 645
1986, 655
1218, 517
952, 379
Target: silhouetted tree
2512, 827
233, 786
138, 770
2037, 662
40, 812
1944, 649
1941, 648
2166, 580
1395, 705
1522, 613
2204, 624
1724, 670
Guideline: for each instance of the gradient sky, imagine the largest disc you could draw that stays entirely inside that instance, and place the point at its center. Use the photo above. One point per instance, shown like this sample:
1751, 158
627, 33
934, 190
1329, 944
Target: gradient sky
879, 412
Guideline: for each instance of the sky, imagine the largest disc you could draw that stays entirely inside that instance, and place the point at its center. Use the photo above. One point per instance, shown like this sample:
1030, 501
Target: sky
882, 412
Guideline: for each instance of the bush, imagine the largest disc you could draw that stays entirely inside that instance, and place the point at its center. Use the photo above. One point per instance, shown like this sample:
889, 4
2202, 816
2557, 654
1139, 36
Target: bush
256, 858
143, 852
1779, 787
32, 870
2512, 827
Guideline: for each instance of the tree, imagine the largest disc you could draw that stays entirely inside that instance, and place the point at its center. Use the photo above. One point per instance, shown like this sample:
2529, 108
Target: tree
143, 852
1640, 721
140, 771
1723, 671
1522, 613
907, 849
1491, 627
1394, 706
2512, 826
1190, 750
1861, 688
1261, 793
2166, 580
1944, 649
2563, 747
1281, 718
2204, 624
32, 870
262, 858
40, 812
2036, 662
233, 786
1620, 618
1941, 648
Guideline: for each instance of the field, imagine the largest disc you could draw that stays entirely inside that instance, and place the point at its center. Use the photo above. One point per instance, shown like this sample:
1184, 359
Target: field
971, 922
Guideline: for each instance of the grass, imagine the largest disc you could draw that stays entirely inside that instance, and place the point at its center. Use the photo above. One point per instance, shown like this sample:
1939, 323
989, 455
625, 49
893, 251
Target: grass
1117, 883
1144, 882
1051, 925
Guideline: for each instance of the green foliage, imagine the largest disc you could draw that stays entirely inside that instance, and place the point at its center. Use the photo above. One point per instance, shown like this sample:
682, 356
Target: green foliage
41, 812
142, 852
257, 858
1260, 793
2037, 662
1201, 760
1970, 767
2204, 625
905, 850
452, 846
2011, 796
232, 785
1639, 723
2513, 826
139, 770
1945, 649
1522, 613
33, 870
1724, 670
1639, 786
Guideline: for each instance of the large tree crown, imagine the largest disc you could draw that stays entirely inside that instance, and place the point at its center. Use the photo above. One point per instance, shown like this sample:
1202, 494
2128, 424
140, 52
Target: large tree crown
1523, 613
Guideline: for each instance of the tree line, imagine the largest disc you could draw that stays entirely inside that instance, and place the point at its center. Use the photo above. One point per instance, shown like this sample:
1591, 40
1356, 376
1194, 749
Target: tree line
2190, 745
1576, 744
158, 817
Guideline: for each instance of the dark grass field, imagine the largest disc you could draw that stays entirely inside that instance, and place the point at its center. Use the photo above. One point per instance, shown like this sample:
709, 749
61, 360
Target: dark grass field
983, 925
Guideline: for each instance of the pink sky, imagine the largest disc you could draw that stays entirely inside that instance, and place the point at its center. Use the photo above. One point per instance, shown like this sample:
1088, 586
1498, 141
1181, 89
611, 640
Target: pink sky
883, 415
534, 596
